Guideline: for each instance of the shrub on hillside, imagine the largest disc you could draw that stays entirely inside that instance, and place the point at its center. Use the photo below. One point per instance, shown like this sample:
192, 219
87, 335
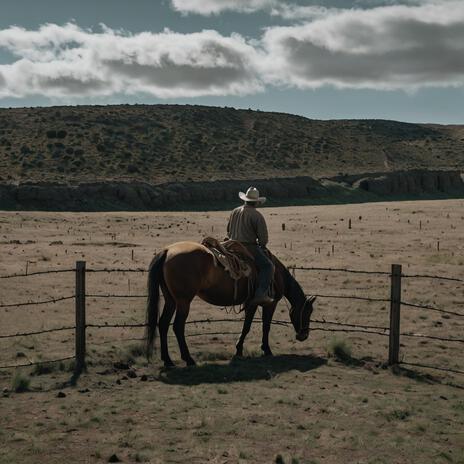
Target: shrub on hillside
132, 168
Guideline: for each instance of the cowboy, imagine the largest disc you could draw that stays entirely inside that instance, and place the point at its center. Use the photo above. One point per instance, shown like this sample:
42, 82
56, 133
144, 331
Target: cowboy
248, 226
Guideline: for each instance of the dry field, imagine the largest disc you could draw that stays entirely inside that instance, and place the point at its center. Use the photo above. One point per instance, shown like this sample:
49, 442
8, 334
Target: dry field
301, 406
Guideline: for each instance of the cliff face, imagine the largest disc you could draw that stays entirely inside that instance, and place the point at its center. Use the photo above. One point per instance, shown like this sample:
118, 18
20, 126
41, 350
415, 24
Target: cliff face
413, 183
219, 194
141, 196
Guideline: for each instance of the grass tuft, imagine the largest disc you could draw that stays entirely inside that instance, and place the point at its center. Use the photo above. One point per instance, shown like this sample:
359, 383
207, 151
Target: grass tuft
132, 354
141, 457
339, 349
398, 414
45, 368
136, 350
21, 382
50, 367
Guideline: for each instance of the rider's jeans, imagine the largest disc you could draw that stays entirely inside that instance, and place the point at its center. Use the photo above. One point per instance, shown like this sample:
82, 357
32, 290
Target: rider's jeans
265, 269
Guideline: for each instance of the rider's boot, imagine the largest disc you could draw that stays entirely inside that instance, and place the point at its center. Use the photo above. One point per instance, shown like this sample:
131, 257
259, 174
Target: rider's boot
261, 297
261, 300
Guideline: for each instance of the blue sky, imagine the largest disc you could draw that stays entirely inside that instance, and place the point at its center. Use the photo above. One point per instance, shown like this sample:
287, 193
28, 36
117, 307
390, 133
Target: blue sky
386, 59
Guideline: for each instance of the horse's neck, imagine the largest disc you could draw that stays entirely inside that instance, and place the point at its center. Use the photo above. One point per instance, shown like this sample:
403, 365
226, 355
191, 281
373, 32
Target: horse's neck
292, 289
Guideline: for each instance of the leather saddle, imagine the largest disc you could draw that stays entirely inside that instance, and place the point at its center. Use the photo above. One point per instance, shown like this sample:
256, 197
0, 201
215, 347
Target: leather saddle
232, 256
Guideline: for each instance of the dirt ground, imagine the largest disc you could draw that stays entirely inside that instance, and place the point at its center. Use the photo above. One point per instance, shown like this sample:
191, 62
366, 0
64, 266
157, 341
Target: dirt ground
300, 406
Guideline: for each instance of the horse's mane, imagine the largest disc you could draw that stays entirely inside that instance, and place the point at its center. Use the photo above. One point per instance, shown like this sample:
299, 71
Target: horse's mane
292, 287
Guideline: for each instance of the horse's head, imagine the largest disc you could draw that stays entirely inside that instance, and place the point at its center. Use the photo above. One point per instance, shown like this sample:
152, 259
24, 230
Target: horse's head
300, 317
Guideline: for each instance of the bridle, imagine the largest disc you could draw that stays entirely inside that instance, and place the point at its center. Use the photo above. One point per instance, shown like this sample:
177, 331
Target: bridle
302, 310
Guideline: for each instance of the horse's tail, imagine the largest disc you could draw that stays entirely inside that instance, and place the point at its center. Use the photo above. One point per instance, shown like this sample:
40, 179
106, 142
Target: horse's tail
155, 277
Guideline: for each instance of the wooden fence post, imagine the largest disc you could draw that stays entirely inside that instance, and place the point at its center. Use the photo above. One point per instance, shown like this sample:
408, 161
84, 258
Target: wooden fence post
395, 307
80, 317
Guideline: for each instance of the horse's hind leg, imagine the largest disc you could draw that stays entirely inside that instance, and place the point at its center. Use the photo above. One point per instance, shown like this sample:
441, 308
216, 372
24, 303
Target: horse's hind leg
182, 311
165, 320
249, 315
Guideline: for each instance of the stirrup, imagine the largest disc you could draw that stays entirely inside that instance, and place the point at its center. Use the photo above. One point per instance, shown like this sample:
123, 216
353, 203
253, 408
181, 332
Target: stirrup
261, 300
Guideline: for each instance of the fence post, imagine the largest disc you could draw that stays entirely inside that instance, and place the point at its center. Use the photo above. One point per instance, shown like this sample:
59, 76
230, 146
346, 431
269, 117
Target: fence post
80, 317
395, 307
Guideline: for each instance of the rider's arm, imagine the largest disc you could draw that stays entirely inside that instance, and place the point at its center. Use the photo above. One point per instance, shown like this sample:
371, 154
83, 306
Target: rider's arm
228, 226
261, 230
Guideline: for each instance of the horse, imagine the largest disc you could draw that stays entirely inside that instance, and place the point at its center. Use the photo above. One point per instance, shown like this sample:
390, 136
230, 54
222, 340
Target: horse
184, 270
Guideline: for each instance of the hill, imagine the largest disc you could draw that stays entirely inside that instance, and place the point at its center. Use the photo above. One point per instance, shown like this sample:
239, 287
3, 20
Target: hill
158, 145
163, 143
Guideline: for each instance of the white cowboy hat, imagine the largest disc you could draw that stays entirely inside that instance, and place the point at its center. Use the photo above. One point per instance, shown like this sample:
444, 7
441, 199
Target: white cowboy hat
252, 194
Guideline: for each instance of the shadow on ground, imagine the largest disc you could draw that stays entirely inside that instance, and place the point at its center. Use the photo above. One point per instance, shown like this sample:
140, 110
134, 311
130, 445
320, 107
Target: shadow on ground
241, 370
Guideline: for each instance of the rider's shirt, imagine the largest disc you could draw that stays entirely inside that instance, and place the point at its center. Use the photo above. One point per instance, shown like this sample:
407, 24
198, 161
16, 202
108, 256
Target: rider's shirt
247, 225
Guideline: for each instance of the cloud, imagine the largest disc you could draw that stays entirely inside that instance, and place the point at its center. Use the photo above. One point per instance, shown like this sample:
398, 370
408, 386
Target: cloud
280, 8
289, 10
212, 7
67, 61
396, 47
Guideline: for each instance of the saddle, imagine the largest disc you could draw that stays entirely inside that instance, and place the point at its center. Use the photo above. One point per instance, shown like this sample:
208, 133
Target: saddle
236, 260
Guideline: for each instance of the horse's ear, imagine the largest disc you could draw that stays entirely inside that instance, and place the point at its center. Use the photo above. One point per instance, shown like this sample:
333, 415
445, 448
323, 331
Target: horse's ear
311, 299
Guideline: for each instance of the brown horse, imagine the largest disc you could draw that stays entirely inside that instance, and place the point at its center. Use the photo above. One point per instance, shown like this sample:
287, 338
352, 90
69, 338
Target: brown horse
186, 269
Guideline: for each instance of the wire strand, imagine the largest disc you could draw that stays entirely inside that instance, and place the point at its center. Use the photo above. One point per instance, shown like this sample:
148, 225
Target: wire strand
52, 271
33, 303
27, 334
431, 308
334, 269
455, 371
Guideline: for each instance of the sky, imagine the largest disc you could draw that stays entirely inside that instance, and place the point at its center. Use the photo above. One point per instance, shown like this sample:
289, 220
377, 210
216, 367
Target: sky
333, 59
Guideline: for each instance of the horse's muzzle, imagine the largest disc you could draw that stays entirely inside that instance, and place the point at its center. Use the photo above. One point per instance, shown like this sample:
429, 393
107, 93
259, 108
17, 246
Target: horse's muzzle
302, 336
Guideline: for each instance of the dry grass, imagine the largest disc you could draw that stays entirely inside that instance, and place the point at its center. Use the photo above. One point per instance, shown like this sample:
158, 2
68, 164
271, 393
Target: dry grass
301, 404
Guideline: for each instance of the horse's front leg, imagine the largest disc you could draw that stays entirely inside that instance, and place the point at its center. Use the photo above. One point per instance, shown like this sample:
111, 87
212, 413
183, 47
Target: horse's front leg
249, 315
182, 311
268, 313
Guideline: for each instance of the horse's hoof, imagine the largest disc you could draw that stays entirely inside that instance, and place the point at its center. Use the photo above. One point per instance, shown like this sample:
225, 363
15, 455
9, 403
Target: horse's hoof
267, 353
190, 362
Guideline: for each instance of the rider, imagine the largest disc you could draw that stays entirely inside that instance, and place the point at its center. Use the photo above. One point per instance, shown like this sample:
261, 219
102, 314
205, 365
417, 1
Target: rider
248, 226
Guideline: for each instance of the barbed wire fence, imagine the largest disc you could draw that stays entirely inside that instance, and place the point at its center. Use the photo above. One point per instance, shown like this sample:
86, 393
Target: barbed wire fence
324, 325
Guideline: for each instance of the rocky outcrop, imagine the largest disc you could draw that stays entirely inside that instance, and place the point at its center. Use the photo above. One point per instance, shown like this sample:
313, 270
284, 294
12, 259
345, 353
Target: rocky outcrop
412, 183
141, 196
113, 196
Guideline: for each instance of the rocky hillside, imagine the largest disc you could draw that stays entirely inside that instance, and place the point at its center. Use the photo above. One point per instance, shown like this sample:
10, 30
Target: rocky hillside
168, 143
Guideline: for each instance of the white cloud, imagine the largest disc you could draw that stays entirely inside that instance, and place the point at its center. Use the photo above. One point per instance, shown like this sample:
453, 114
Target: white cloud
280, 8
289, 10
211, 7
396, 47
64, 61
